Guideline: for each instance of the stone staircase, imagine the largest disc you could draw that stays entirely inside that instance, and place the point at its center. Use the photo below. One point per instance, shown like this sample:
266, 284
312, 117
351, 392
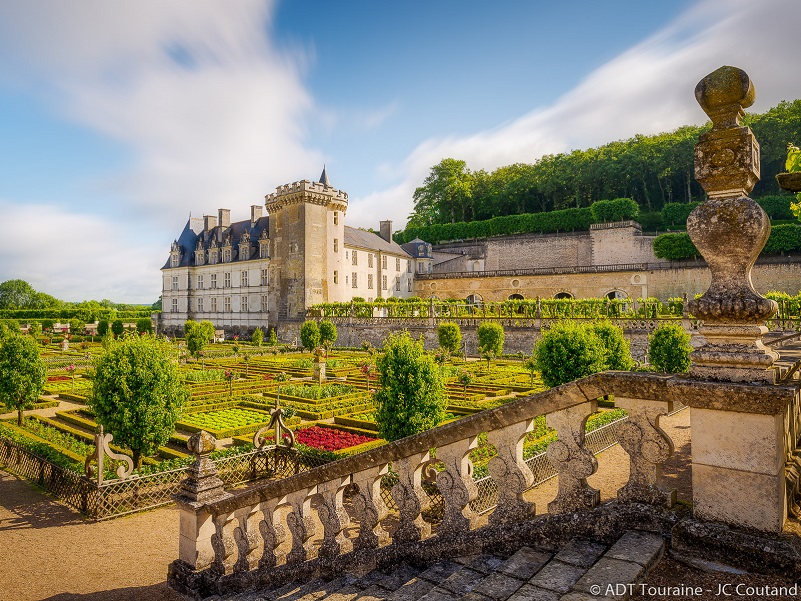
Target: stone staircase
582, 570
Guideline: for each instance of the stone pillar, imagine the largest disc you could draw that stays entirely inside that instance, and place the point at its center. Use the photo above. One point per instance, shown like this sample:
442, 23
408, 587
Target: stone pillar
201, 486
738, 445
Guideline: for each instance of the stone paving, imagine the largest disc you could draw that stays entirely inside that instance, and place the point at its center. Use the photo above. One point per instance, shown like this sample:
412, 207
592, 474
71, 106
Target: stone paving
581, 571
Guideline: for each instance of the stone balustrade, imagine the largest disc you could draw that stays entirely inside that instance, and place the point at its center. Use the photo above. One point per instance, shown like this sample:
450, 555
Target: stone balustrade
269, 535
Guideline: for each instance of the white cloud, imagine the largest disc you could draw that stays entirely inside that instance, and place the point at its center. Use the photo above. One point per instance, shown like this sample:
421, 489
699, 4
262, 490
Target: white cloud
647, 89
78, 257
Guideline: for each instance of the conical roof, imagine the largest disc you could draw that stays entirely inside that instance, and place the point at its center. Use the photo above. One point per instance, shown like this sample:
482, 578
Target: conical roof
324, 178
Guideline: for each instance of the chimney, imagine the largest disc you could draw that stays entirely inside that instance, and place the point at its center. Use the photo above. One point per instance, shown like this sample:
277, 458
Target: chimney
225, 217
209, 222
255, 213
386, 230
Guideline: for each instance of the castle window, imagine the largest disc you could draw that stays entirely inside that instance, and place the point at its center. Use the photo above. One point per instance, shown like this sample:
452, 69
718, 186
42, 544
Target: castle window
264, 304
408, 266
384, 262
336, 277
353, 280
336, 217
175, 282
175, 305
410, 285
244, 302
227, 279
336, 245
421, 268
369, 281
200, 305
227, 255
369, 260
355, 261
263, 251
213, 304
383, 282
263, 277
244, 281
175, 260
227, 301
397, 284
421, 251
397, 264
213, 280
200, 282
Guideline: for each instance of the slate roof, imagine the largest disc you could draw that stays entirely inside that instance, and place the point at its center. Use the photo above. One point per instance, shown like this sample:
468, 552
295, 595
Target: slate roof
193, 231
413, 248
369, 240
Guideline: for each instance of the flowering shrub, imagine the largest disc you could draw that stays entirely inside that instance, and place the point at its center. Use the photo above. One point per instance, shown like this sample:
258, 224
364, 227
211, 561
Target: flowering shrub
329, 439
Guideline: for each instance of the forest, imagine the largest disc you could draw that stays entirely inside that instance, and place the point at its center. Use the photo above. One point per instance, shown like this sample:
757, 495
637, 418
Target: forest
654, 171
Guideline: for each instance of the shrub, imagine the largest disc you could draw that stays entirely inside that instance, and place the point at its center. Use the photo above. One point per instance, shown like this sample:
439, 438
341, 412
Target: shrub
22, 373
144, 325
669, 349
675, 247
651, 221
783, 238
567, 352
449, 336
310, 334
197, 335
117, 328
272, 337
256, 337
619, 209
411, 397
137, 393
777, 207
102, 327
490, 340
676, 213
328, 333
617, 348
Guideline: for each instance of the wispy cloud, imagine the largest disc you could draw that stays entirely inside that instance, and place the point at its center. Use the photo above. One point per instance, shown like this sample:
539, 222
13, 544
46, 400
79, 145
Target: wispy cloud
647, 89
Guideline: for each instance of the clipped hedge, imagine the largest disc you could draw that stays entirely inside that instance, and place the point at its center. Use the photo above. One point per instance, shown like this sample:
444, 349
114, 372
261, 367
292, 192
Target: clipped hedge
619, 209
675, 247
674, 214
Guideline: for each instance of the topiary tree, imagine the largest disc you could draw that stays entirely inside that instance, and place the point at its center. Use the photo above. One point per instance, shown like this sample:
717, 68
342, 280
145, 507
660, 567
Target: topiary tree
77, 326
411, 397
490, 340
102, 327
22, 373
669, 349
449, 336
272, 337
197, 336
137, 393
310, 334
257, 337
117, 328
328, 334
618, 349
144, 326
35, 328
568, 351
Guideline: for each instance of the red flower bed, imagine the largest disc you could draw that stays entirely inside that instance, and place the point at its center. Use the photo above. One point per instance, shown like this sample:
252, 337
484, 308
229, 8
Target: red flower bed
329, 439
57, 378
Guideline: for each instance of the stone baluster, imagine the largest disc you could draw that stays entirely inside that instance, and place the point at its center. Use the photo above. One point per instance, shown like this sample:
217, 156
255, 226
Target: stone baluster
571, 460
408, 495
456, 485
301, 525
648, 447
273, 534
334, 518
223, 543
246, 537
369, 508
201, 486
511, 473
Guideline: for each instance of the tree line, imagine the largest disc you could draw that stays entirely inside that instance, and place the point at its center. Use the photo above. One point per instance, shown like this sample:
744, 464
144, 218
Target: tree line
651, 170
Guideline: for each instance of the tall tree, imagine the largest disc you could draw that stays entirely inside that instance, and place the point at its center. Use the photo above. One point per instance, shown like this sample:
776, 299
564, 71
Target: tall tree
22, 373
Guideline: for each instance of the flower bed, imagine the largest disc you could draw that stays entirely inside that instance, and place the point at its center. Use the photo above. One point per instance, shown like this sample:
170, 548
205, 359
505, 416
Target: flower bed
329, 439
224, 423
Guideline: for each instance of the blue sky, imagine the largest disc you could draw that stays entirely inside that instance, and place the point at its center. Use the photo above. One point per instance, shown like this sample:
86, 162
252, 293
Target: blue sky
119, 119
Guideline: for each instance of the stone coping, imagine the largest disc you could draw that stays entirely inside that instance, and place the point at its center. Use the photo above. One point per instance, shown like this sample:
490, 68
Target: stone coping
746, 398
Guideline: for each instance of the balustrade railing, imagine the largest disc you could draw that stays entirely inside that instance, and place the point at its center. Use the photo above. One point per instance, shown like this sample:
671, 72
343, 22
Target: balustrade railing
302, 519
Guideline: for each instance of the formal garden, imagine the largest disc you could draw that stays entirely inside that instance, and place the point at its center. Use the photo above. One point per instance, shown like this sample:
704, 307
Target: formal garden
152, 394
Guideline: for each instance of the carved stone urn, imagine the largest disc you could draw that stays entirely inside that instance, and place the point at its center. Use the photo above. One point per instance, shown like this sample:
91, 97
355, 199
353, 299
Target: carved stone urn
730, 230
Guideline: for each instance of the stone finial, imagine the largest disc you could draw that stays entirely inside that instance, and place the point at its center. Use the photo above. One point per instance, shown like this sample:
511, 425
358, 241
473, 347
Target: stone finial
201, 484
201, 443
729, 230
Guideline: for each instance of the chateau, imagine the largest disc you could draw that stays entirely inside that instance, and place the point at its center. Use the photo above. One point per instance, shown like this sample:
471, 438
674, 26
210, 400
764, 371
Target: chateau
271, 268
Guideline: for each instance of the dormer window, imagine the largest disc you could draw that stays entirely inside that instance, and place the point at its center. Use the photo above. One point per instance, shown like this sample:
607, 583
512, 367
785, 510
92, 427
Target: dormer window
226, 255
175, 260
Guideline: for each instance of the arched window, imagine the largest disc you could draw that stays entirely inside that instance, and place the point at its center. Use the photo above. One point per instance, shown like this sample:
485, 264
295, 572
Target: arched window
616, 295
563, 295
475, 299
515, 297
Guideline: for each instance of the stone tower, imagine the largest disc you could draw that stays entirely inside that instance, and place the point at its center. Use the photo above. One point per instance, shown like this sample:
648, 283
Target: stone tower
307, 256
